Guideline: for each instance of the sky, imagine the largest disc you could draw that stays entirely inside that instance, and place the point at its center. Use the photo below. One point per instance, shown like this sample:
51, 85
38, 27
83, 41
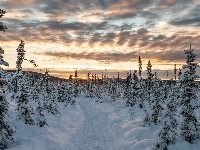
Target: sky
94, 35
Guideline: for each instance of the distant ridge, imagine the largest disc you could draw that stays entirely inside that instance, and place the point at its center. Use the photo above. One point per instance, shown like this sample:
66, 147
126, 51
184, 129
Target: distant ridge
37, 75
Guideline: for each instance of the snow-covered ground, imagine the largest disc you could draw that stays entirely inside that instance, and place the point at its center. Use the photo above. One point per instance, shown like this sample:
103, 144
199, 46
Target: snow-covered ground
92, 126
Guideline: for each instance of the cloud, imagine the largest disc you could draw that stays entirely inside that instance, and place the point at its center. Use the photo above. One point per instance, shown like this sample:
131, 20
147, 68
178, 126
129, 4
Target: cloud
103, 32
98, 56
191, 18
168, 3
120, 15
142, 31
122, 37
186, 21
17, 3
166, 56
63, 22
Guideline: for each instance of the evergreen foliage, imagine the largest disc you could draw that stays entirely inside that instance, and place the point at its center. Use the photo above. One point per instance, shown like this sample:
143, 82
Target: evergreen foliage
140, 67
168, 132
6, 131
156, 101
50, 96
25, 111
189, 127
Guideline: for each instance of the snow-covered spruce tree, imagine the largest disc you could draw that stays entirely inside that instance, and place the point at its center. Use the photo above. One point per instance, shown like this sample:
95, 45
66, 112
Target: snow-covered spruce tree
70, 95
148, 93
175, 72
25, 111
98, 91
189, 127
149, 76
49, 96
2, 62
36, 89
62, 92
70, 89
140, 67
141, 96
179, 73
75, 84
36, 100
149, 82
168, 132
118, 86
163, 137
2, 26
156, 101
6, 131
113, 90
89, 87
134, 88
141, 93
40, 117
20, 57
127, 87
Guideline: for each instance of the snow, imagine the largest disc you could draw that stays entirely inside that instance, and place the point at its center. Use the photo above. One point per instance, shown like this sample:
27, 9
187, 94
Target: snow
92, 126
89, 126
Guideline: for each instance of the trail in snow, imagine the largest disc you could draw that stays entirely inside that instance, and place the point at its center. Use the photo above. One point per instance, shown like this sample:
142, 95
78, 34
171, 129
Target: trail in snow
96, 132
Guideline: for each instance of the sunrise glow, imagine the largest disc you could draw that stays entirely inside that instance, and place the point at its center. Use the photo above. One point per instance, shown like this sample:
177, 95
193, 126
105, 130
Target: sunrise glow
94, 35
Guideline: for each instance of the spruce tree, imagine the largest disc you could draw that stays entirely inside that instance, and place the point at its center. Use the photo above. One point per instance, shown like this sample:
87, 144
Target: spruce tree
189, 127
149, 81
134, 90
70, 95
88, 91
127, 87
149, 75
40, 117
2, 26
148, 94
179, 73
113, 90
62, 92
36, 94
98, 92
6, 131
168, 132
175, 72
20, 55
25, 111
163, 137
156, 101
75, 84
50, 96
2, 62
140, 67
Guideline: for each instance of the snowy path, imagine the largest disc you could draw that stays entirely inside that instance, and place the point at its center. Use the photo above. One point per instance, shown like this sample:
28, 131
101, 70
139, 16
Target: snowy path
88, 126
96, 132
